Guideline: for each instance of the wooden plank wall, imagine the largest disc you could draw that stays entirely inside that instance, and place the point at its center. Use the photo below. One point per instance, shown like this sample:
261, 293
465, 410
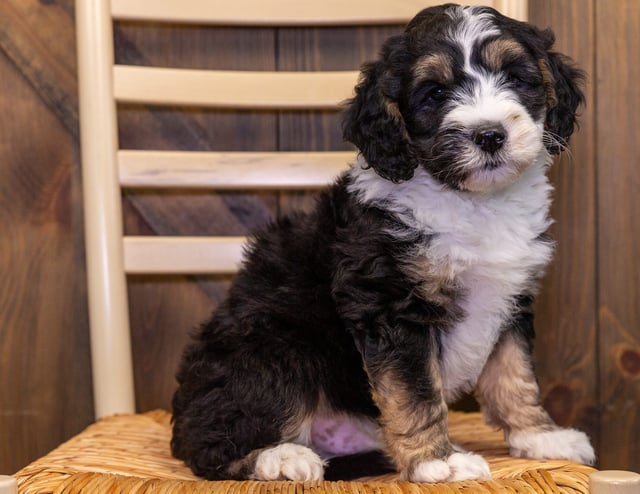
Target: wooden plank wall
588, 349
618, 177
45, 380
566, 320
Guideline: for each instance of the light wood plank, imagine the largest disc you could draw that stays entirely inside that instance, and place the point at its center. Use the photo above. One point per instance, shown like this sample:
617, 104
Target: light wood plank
182, 255
292, 12
233, 89
239, 170
272, 12
518, 9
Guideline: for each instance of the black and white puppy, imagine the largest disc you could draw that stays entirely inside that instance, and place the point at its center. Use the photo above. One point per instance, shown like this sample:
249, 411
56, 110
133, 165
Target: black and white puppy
349, 329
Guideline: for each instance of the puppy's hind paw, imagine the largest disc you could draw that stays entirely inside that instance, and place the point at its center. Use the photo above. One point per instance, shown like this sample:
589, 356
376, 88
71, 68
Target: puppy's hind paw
559, 444
288, 461
458, 466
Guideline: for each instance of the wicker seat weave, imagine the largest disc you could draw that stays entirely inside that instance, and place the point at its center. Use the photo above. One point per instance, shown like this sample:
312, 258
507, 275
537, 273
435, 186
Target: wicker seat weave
130, 453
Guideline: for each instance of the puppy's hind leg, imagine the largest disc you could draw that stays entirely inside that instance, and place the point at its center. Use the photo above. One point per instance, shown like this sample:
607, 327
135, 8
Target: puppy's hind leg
234, 417
220, 438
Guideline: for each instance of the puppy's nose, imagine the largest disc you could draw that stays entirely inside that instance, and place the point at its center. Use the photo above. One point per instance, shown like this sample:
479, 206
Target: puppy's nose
490, 139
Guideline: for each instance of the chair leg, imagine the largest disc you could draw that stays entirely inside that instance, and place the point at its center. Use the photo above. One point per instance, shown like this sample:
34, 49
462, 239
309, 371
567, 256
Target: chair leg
8, 485
614, 482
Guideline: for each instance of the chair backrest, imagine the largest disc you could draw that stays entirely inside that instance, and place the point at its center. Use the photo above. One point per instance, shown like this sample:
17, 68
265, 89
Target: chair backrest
107, 169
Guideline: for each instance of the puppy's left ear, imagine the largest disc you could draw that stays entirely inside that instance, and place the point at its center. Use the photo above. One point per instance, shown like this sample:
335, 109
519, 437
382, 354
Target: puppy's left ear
564, 84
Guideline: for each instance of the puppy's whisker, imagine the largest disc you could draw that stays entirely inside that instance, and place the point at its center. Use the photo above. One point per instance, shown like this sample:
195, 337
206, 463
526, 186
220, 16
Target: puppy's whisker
553, 140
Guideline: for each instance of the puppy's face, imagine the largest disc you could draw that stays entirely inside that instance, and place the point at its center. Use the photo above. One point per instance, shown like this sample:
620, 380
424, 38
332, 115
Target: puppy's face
475, 103
470, 95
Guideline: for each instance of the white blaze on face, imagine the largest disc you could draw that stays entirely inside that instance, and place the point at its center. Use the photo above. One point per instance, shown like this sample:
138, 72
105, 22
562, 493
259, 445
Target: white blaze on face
471, 28
486, 102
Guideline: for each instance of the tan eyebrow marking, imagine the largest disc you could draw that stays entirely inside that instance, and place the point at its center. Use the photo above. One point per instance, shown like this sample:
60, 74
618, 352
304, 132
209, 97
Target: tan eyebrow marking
497, 53
435, 67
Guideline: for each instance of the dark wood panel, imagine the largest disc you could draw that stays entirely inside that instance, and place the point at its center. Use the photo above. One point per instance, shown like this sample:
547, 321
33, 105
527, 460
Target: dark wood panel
45, 378
165, 310
39, 37
566, 317
618, 154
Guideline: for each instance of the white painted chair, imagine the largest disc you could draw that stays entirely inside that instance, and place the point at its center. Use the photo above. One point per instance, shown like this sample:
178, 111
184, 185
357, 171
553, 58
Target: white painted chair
131, 452
106, 169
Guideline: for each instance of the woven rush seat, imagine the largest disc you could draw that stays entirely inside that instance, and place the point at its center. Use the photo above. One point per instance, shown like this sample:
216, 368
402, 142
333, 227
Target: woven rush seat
130, 453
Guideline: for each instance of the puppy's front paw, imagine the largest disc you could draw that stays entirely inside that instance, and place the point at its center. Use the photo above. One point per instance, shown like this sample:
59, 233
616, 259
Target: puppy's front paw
288, 461
560, 444
458, 466
467, 466
430, 471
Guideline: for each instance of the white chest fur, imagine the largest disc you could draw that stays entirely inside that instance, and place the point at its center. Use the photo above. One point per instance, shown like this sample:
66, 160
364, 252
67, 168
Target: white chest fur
485, 244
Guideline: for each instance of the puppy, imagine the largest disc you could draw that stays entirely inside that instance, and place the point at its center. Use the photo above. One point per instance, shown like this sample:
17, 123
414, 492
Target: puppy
349, 329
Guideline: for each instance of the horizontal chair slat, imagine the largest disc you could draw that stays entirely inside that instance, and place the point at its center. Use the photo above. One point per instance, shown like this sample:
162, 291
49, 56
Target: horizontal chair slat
231, 170
271, 12
182, 255
233, 89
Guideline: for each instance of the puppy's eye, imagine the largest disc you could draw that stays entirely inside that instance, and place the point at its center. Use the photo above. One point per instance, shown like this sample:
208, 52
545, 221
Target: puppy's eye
436, 94
523, 79
517, 79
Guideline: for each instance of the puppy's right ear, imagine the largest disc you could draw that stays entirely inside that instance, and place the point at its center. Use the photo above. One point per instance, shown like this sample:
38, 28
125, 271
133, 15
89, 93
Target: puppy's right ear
374, 123
565, 94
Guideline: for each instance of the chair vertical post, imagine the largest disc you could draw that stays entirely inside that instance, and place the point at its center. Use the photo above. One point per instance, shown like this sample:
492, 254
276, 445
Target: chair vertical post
112, 365
518, 9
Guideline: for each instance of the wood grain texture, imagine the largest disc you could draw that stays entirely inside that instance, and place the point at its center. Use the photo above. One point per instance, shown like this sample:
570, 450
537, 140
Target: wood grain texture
618, 156
40, 40
45, 379
566, 317
167, 310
